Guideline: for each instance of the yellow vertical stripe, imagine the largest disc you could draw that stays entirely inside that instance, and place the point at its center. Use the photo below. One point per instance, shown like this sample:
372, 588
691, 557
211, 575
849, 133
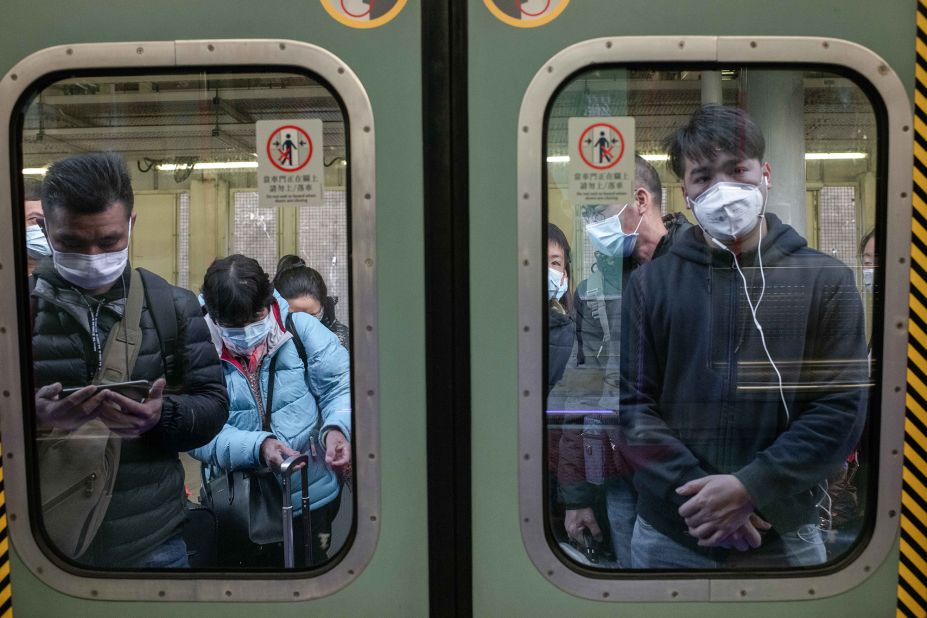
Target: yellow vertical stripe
6, 591
912, 570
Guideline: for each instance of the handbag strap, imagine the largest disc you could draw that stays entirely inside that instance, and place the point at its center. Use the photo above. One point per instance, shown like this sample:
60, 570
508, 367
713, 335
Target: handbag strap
301, 350
269, 404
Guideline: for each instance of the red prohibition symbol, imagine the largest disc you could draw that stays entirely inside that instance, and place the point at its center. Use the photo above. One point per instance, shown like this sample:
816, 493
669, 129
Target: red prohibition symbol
606, 145
289, 148
536, 13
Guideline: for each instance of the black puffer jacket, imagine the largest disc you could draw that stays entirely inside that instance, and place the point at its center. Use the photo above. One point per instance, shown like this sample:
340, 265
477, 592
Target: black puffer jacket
148, 498
699, 397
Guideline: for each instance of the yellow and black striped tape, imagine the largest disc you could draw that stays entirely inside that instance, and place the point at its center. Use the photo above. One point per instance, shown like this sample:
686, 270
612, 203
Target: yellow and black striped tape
6, 589
912, 567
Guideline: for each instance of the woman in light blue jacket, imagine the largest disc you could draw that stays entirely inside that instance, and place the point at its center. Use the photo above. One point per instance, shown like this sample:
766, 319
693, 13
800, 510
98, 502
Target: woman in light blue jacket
311, 405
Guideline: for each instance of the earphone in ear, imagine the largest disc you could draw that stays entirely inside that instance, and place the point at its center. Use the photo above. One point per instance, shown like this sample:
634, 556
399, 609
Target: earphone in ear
766, 180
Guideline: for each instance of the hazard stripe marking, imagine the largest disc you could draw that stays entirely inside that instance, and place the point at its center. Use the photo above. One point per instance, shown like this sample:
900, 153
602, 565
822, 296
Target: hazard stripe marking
912, 567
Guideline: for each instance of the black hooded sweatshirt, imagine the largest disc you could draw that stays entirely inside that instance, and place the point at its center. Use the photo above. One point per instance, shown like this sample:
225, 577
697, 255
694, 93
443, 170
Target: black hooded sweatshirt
700, 397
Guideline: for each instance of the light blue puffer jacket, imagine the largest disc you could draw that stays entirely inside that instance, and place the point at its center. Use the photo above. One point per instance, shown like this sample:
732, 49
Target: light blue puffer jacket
297, 403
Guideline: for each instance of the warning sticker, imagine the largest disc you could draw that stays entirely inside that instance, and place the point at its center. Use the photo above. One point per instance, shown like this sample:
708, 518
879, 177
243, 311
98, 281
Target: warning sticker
290, 170
526, 13
363, 13
601, 169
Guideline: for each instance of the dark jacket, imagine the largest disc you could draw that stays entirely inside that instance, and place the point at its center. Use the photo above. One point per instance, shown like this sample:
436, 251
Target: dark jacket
560, 336
148, 497
601, 360
699, 397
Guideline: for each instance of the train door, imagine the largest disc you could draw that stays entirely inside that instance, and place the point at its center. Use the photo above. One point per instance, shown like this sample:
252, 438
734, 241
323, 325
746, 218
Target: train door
192, 118
618, 73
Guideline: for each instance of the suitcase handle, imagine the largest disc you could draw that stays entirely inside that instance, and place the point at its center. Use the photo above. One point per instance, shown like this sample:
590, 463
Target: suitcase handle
286, 469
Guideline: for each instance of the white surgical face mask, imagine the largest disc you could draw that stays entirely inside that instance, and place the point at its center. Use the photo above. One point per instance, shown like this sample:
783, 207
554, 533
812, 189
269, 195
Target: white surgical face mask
243, 340
36, 243
869, 279
91, 271
609, 238
556, 289
728, 211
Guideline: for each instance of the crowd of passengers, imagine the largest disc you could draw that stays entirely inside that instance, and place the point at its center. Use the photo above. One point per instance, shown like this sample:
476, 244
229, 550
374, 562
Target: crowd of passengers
131, 371
708, 384
720, 371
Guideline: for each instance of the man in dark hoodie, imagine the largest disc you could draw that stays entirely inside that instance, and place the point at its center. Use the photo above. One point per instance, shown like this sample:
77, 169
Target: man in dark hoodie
743, 369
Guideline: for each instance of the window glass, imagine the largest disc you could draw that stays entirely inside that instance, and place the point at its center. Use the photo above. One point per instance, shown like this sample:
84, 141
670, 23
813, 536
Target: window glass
712, 282
179, 358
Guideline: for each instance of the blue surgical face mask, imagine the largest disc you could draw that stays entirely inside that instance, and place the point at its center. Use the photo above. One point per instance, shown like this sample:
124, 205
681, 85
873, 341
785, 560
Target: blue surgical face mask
243, 340
36, 243
556, 288
608, 238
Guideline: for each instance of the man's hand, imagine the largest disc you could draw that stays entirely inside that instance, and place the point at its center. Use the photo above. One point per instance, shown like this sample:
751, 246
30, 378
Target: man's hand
130, 418
72, 411
746, 537
274, 452
719, 506
337, 450
575, 521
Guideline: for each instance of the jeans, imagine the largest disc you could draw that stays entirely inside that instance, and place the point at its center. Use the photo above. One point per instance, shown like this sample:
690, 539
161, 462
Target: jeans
651, 549
621, 504
171, 554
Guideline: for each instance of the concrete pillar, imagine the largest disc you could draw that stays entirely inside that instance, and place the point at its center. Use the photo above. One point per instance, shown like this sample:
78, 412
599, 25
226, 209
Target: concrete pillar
711, 87
775, 100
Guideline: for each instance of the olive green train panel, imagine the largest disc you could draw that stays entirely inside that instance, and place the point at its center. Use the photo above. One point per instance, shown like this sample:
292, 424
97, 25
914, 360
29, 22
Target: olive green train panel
6, 590
912, 568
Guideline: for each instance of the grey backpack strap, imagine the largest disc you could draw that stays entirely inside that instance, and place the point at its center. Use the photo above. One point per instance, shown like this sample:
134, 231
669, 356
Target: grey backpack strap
122, 345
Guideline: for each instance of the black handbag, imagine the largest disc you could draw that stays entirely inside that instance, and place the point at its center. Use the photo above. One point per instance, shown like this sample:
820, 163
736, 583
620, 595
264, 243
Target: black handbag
247, 503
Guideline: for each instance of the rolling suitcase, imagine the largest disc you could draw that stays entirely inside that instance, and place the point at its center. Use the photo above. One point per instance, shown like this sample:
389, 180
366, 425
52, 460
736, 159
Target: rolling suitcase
287, 468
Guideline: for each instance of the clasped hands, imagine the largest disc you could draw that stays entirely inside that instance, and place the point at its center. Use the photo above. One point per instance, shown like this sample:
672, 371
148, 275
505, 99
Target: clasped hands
720, 513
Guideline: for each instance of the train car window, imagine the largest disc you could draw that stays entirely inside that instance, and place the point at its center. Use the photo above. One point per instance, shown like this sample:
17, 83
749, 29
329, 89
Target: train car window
189, 401
712, 311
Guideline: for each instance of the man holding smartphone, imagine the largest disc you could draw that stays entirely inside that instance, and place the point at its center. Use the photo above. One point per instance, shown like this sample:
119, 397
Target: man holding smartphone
81, 293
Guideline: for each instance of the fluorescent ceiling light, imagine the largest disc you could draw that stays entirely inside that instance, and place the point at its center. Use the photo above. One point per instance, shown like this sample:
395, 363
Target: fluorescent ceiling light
34, 171
830, 156
809, 156
217, 165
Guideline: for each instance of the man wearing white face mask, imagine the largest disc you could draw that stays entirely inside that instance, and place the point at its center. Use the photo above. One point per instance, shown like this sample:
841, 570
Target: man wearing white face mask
743, 369
80, 296
624, 236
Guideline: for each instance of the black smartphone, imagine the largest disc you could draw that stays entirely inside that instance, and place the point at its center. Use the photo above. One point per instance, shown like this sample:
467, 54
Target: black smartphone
136, 389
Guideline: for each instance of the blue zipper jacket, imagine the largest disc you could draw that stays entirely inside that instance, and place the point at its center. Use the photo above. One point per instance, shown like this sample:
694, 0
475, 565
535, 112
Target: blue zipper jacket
298, 400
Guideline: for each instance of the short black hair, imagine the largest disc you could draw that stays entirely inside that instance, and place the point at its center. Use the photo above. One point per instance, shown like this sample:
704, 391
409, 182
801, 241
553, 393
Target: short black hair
87, 184
32, 190
646, 176
294, 279
235, 288
864, 241
713, 129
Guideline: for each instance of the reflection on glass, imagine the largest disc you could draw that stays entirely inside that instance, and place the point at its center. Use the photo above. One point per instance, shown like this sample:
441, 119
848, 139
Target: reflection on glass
712, 410
162, 420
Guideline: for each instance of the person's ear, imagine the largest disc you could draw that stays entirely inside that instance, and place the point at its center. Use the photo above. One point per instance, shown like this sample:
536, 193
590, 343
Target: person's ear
642, 200
767, 175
